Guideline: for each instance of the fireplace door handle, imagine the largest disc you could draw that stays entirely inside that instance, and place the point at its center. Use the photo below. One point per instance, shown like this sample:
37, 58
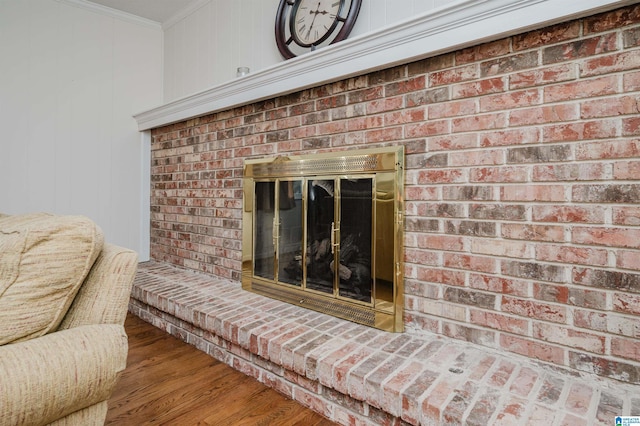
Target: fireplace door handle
334, 230
275, 232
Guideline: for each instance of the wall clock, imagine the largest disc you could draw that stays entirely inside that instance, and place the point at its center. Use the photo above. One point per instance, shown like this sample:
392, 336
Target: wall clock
304, 25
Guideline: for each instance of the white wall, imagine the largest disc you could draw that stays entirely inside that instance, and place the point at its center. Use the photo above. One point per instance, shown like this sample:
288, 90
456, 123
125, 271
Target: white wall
71, 79
204, 48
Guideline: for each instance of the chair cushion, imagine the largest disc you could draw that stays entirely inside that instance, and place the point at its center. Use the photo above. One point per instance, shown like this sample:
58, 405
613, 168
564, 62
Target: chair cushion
43, 261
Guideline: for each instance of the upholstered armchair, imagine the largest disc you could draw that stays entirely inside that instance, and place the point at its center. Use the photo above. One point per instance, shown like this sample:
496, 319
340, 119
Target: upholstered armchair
63, 301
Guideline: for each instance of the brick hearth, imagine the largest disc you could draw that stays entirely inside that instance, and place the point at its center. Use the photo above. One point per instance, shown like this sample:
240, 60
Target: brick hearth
353, 374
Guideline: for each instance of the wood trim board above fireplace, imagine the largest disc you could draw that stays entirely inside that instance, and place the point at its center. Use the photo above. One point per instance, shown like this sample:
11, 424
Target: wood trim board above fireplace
454, 26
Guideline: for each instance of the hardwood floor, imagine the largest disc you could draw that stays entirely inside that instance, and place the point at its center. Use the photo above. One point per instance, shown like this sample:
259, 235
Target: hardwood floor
169, 382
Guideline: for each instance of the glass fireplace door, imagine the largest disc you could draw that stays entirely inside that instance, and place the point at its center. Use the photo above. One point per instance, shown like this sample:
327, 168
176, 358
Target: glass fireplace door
289, 230
265, 221
337, 256
278, 231
321, 226
356, 213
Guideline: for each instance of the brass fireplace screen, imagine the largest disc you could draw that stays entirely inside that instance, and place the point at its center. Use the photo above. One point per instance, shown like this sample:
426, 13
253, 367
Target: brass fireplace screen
324, 232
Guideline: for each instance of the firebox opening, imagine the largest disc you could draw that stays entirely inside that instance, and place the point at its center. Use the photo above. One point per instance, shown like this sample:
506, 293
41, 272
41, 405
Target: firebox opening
325, 231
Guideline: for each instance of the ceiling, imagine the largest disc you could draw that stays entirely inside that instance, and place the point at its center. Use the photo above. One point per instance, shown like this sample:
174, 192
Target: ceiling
155, 10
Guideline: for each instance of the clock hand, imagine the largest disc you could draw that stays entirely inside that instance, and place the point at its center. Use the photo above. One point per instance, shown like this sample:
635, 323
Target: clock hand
314, 19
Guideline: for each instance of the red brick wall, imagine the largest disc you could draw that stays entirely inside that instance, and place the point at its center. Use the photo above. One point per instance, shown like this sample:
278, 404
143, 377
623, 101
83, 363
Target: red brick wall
522, 186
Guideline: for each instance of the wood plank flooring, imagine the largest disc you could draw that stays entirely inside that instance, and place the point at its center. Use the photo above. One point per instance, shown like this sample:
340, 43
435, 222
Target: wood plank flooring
168, 382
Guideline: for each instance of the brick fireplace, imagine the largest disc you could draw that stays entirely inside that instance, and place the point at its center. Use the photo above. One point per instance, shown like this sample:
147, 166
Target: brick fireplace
522, 214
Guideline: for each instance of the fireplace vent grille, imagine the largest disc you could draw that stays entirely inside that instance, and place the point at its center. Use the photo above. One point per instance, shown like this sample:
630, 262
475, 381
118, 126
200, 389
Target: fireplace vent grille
361, 163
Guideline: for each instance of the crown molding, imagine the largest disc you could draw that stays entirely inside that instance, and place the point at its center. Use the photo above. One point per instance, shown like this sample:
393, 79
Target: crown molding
185, 12
452, 27
114, 13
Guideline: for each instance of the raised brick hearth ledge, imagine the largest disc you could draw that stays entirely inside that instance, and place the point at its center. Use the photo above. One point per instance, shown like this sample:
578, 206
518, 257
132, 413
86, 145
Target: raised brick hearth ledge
356, 375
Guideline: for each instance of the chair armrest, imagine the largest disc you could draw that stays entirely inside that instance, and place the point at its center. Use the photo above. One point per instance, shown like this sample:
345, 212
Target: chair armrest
51, 376
103, 298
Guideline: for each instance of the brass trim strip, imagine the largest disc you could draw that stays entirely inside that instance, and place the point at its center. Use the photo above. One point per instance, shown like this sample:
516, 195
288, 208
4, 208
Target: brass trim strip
366, 160
361, 315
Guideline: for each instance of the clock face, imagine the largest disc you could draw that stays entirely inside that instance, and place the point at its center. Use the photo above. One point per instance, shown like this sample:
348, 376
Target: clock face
312, 21
306, 25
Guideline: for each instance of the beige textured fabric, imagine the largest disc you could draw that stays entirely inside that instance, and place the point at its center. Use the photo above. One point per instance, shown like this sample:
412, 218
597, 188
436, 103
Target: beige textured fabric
57, 254
58, 271
11, 248
90, 416
49, 377
100, 304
